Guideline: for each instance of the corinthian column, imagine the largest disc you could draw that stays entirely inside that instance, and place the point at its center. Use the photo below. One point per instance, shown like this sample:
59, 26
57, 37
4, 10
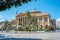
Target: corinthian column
43, 23
48, 21
17, 21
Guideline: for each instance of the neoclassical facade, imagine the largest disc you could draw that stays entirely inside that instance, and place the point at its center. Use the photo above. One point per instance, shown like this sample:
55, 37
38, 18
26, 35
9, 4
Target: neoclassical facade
43, 19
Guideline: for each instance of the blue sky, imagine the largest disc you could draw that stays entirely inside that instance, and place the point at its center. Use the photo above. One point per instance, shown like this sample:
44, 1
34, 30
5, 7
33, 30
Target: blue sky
50, 6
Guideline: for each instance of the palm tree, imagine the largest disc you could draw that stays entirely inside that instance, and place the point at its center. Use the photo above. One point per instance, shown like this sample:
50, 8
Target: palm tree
29, 16
33, 19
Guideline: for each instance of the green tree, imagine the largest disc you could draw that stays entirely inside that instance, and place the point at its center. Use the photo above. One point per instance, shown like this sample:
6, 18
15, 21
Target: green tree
33, 19
7, 25
29, 16
6, 4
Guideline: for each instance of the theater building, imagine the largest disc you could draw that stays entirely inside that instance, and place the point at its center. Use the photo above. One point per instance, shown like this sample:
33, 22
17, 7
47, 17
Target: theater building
43, 19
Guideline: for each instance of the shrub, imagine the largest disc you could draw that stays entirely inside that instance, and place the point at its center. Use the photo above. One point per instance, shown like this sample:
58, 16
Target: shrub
19, 28
32, 29
50, 28
26, 28
16, 29
41, 29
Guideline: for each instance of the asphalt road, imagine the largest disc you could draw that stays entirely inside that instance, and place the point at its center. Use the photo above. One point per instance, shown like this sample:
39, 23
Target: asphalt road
39, 35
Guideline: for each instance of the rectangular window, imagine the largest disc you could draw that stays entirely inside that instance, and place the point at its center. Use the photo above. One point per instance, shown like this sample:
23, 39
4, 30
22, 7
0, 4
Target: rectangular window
40, 19
45, 20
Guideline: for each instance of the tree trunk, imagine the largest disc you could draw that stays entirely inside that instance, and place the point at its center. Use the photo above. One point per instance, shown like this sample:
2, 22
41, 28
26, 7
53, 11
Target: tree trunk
34, 25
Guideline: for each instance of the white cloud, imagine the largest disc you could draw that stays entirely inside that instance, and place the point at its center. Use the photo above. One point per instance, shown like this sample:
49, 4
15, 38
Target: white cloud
58, 19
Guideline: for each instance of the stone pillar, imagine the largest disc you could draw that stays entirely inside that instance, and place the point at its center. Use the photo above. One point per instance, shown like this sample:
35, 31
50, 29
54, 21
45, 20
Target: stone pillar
43, 23
17, 21
38, 22
27, 21
48, 21
22, 20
